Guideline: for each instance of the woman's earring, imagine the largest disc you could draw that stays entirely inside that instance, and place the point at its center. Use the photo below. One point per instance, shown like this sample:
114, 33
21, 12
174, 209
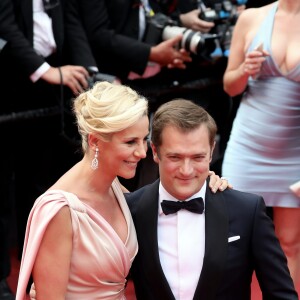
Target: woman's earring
94, 164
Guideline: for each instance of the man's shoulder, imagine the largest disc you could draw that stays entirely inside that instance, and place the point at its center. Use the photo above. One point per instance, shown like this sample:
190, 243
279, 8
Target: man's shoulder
242, 200
239, 193
137, 194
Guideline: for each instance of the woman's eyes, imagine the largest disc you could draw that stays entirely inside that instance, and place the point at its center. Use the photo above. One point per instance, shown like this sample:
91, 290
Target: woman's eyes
131, 142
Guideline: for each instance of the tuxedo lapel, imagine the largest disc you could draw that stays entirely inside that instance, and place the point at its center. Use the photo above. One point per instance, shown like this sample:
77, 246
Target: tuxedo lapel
26, 10
216, 242
146, 227
58, 27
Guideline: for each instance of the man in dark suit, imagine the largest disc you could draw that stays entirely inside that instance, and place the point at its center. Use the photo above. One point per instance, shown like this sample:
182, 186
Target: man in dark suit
115, 32
36, 75
211, 251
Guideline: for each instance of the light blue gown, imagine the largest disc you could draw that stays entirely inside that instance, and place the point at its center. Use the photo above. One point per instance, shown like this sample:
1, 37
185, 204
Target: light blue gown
263, 151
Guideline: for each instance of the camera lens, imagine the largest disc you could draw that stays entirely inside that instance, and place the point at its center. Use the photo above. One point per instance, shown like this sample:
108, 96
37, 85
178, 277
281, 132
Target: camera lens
192, 41
171, 31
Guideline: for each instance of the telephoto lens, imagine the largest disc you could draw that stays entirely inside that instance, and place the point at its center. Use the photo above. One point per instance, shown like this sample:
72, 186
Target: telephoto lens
192, 41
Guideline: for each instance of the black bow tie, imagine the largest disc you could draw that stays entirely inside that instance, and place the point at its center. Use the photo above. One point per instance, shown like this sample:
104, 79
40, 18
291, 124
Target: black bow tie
195, 205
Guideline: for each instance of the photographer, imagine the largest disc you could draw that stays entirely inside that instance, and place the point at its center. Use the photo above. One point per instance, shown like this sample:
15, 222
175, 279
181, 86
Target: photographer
115, 31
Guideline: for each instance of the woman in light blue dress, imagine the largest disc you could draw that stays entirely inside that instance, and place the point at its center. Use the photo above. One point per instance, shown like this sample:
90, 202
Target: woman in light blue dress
263, 152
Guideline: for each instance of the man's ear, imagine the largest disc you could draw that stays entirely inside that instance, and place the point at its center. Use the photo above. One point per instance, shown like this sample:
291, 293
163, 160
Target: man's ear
212, 151
154, 153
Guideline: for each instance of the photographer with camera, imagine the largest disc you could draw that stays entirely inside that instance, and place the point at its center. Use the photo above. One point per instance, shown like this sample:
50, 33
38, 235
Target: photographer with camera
115, 30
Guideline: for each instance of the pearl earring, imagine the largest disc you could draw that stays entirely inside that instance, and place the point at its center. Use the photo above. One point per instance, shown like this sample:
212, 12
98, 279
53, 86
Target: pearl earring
94, 164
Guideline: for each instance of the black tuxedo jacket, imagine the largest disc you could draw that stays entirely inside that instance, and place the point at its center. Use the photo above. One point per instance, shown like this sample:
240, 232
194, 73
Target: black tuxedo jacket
112, 28
16, 27
17, 30
18, 59
228, 266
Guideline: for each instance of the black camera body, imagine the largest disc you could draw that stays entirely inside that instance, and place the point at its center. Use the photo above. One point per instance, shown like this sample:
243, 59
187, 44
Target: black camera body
224, 14
161, 28
95, 76
218, 11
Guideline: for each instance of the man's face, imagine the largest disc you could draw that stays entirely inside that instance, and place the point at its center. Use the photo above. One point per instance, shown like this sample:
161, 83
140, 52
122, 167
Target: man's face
183, 160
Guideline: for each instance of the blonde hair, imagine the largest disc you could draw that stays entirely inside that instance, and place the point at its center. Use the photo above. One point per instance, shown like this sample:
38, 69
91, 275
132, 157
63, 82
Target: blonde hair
107, 108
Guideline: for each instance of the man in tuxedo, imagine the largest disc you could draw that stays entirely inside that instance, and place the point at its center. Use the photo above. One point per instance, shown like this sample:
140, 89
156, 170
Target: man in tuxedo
36, 75
208, 247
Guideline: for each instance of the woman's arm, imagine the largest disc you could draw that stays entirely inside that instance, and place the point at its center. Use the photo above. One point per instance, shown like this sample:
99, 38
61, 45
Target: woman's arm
217, 183
52, 264
241, 64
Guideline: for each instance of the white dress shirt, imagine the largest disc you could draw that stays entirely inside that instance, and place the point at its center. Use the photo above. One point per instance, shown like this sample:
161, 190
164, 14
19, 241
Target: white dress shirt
152, 67
181, 243
43, 38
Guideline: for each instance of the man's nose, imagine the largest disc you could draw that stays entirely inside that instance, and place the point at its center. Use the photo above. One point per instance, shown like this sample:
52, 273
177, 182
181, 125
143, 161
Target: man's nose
186, 167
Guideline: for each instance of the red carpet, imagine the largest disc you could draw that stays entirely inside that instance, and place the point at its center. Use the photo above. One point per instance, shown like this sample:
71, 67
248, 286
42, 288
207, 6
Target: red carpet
13, 279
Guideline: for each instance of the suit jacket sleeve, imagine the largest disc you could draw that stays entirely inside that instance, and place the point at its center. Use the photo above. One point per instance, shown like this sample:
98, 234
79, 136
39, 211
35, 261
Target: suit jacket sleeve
108, 44
19, 46
76, 39
257, 250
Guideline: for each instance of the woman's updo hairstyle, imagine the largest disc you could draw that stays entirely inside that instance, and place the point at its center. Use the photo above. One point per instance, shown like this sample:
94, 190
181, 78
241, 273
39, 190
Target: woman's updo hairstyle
107, 108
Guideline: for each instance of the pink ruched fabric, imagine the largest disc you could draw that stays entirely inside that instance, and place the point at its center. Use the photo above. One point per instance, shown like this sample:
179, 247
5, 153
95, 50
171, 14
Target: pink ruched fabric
100, 260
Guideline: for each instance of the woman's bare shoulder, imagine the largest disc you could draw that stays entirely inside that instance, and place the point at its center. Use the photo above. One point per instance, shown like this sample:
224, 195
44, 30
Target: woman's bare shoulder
250, 19
255, 14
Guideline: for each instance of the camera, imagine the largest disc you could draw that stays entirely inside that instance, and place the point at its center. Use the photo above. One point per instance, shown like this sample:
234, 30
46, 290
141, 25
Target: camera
95, 76
224, 14
160, 28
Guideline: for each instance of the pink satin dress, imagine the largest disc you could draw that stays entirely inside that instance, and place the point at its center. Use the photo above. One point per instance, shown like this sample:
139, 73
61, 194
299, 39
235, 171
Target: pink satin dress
100, 260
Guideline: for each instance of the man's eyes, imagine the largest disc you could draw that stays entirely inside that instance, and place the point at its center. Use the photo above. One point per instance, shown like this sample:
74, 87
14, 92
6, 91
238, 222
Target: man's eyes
173, 157
196, 158
200, 157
